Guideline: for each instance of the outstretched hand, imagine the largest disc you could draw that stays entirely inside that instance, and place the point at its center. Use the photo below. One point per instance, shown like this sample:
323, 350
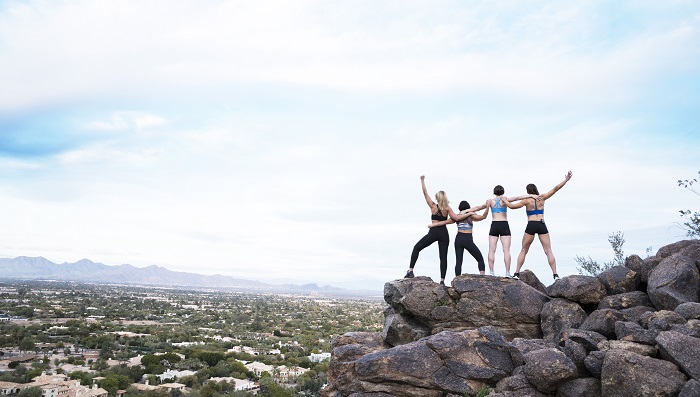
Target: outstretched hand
422, 177
568, 175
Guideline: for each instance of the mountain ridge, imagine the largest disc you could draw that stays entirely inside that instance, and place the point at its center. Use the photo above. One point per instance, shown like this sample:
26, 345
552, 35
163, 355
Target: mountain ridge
85, 270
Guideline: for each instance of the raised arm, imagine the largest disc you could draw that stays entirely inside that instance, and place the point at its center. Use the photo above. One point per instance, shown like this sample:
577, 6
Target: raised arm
522, 197
425, 192
559, 186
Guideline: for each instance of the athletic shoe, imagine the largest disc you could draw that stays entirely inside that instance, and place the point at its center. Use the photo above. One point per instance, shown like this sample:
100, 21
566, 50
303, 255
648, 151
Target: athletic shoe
442, 283
508, 275
516, 275
409, 274
492, 273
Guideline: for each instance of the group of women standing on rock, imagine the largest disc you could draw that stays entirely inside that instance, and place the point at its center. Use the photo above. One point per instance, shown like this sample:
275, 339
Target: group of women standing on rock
442, 215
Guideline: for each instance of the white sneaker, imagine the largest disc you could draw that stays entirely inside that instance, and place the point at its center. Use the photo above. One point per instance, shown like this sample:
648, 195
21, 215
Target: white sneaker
492, 273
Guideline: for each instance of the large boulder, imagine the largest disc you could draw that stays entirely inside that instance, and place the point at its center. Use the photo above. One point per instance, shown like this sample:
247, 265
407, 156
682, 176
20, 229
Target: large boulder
516, 386
676, 247
588, 339
594, 362
582, 387
529, 278
559, 314
633, 332
547, 369
420, 298
681, 350
577, 354
603, 322
401, 329
663, 320
674, 281
448, 362
520, 346
509, 305
627, 374
618, 280
581, 289
634, 347
625, 300
648, 265
689, 310
691, 389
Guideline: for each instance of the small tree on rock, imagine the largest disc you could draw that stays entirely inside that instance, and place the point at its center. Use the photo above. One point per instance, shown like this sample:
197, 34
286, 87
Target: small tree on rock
692, 219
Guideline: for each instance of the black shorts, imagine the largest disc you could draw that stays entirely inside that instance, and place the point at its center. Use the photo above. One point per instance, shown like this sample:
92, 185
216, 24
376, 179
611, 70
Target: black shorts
535, 227
499, 228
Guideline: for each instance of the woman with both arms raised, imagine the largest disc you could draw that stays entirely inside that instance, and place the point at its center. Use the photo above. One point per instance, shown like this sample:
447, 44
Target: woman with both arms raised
536, 225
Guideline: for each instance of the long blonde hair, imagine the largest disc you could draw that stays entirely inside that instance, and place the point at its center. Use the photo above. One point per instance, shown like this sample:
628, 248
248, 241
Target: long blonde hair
442, 200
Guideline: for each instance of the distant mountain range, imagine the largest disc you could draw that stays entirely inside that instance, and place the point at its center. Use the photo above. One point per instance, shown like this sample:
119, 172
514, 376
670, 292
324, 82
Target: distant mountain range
86, 271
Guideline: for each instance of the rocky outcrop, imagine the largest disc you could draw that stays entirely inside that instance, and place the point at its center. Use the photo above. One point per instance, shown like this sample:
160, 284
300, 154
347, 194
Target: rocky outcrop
633, 330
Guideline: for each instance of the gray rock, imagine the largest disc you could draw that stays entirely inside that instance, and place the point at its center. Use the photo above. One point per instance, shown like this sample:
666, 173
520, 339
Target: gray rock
674, 281
603, 322
581, 289
689, 310
582, 387
577, 354
547, 369
529, 278
638, 348
676, 247
588, 339
413, 364
401, 329
520, 346
636, 313
635, 263
618, 280
625, 300
691, 389
594, 363
648, 264
633, 332
516, 386
681, 350
509, 305
626, 374
559, 314
417, 297
662, 320
481, 355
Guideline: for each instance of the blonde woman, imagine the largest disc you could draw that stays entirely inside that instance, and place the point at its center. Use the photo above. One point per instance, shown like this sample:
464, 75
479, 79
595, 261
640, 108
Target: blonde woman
536, 225
440, 211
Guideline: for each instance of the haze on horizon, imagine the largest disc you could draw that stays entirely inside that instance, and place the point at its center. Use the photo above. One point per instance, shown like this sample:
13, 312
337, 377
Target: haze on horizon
276, 140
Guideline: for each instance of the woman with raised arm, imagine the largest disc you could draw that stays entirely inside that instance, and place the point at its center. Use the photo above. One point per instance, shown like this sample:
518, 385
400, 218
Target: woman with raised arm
536, 225
440, 212
464, 239
499, 228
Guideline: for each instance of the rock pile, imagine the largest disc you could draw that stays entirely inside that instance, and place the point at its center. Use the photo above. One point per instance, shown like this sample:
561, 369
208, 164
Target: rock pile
633, 330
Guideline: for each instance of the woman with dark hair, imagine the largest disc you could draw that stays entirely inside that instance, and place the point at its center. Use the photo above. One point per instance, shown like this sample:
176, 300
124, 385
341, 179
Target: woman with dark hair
464, 239
499, 228
536, 225
440, 212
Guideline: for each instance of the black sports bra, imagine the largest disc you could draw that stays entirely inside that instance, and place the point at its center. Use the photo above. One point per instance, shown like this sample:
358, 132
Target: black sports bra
438, 216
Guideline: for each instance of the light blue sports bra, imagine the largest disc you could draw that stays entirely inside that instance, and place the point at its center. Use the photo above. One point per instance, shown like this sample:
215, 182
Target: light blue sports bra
535, 211
464, 225
498, 207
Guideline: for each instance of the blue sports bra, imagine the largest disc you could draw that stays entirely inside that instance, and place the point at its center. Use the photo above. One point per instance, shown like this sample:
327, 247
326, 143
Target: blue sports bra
535, 211
438, 216
498, 207
464, 225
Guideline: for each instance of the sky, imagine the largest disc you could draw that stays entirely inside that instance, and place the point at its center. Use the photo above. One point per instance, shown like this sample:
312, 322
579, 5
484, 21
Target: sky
283, 141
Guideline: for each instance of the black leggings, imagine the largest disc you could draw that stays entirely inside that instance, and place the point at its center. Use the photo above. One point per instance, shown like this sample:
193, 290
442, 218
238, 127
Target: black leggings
440, 235
466, 241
